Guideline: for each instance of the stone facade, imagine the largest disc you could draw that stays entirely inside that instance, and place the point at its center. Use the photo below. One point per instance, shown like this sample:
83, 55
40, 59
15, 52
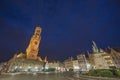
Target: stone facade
75, 65
25, 65
69, 63
33, 48
99, 62
115, 53
82, 62
108, 58
96, 59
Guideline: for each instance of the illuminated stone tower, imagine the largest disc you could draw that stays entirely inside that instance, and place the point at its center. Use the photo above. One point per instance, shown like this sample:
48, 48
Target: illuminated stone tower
33, 47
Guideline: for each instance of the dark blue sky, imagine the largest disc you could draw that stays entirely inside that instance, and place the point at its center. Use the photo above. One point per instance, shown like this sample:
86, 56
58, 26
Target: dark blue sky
69, 26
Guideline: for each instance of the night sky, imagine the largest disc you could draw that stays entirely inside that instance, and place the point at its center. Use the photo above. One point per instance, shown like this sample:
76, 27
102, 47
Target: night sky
68, 26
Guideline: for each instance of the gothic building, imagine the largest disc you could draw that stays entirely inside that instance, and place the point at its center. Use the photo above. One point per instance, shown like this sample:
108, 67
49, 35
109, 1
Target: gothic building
29, 61
96, 59
115, 53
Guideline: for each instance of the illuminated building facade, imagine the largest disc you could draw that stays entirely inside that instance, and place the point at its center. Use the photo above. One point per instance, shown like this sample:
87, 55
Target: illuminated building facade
69, 63
108, 58
33, 48
30, 61
25, 65
75, 65
115, 54
82, 62
96, 59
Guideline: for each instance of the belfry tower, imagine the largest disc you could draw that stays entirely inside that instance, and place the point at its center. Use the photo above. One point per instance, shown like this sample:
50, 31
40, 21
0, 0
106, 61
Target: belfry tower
33, 47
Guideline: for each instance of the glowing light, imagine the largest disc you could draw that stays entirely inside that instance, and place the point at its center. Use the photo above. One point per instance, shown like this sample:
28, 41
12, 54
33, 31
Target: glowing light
76, 67
20, 67
15, 67
29, 67
36, 67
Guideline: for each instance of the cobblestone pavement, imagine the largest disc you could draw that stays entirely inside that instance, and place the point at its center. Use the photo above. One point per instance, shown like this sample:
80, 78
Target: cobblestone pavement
49, 76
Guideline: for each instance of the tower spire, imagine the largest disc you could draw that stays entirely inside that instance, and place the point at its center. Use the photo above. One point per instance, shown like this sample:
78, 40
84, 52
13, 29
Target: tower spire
94, 47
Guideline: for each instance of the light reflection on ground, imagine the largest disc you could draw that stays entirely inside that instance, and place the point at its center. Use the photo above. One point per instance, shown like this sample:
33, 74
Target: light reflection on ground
50, 76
